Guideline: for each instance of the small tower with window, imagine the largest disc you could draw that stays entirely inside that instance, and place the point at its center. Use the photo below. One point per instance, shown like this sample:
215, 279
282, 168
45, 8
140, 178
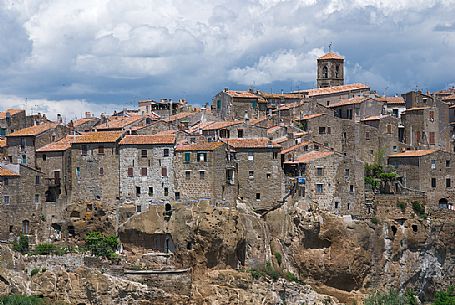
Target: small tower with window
330, 70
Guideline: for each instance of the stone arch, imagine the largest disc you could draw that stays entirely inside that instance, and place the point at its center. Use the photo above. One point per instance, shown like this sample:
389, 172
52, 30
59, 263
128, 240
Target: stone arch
443, 203
325, 72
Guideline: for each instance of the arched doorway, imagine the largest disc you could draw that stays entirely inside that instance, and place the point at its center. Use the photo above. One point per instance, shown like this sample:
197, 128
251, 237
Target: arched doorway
443, 203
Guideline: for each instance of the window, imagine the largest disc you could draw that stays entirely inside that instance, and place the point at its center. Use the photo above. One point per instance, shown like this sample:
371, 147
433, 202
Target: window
23, 142
447, 163
130, 172
389, 128
258, 196
349, 114
329, 130
37, 180
144, 153
432, 138
202, 156
325, 72
6, 199
150, 191
268, 175
23, 159
337, 204
321, 130
101, 150
25, 227
346, 172
201, 174
37, 198
101, 171
367, 135
218, 104
395, 148
316, 147
250, 156
166, 191
275, 155
144, 171
319, 188
319, 171
433, 182
177, 195
448, 182
78, 172
138, 191
44, 157
433, 164
187, 157
5, 181
166, 152
240, 133
84, 150
164, 171
251, 174
337, 71
138, 208
351, 189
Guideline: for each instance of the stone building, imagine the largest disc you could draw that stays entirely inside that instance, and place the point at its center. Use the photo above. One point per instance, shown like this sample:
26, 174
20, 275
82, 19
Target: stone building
95, 167
394, 105
164, 108
54, 160
231, 105
22, 144
357, 108
205, 171
83, 124
428, 171
22, 195
328, 181
330, 70
231, 130
124, 122
259, 174
12, 120
147, 169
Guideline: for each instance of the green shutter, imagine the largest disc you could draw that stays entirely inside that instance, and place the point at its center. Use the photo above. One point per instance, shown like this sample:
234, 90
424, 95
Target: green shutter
187, 156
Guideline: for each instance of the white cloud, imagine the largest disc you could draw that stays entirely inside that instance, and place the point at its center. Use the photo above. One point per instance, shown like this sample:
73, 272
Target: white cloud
101, 49
280, 66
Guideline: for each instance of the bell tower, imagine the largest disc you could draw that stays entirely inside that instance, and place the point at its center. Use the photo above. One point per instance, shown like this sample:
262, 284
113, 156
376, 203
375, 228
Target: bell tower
330, 70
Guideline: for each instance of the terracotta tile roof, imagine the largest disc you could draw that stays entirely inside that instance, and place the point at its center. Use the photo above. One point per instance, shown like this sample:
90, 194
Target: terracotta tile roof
415, 109
292, 148
288, 106
221, 125
82, 121
311, 156
375, 118
11, 112
311, 116
60, 145
251, 143
241, 94
204, 146
449, 97
280, 140
413, 153
119, 122
258, 120
2, 143
331, 90
331, 55
33, 130
280, 96
147, 139
353, 101
7, 173
166, 132
178, 116
273, 129
99, 137
392, 100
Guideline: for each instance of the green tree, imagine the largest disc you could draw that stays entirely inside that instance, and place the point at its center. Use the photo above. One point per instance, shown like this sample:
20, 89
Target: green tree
21, 245
101, 245
446, 297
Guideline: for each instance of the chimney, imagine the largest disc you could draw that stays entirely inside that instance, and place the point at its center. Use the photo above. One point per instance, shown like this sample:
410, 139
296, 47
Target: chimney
59, 118
88, 114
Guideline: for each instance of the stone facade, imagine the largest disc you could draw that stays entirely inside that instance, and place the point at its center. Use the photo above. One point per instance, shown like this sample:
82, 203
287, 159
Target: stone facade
12, 120
428, 171
230, 105
203, 171
22, 197
147, 170
330, 70
95, 167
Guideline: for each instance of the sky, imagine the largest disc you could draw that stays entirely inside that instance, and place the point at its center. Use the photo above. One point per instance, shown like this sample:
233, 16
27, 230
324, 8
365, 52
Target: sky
96, 55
